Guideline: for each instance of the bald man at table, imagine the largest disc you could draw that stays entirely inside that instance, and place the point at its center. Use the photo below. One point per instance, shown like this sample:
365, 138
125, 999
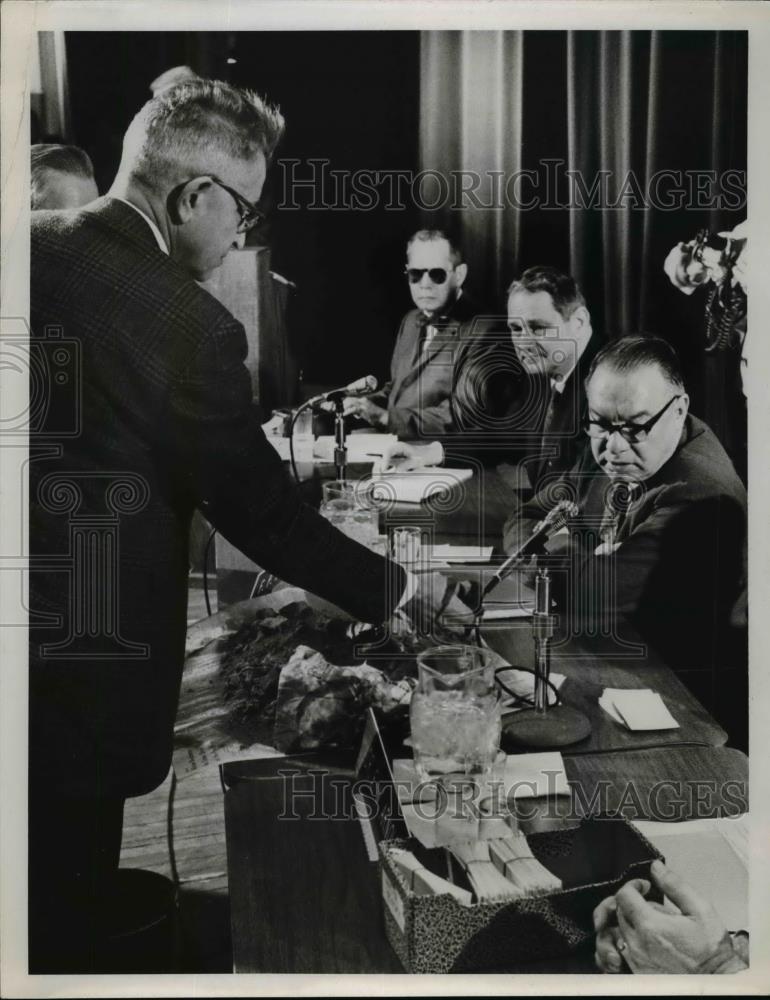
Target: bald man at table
661, 536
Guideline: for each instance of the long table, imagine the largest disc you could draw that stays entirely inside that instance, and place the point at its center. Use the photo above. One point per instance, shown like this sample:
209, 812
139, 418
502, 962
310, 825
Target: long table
305, 898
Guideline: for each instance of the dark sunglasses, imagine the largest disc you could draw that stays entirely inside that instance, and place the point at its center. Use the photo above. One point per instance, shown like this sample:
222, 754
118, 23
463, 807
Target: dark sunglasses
633, 433
436, 274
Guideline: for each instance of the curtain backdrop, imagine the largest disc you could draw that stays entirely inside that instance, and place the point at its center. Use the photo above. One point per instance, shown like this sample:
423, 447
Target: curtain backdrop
614, 105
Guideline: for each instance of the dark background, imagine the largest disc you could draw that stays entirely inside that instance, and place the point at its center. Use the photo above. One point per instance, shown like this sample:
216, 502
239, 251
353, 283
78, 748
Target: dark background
353, 98
348, 97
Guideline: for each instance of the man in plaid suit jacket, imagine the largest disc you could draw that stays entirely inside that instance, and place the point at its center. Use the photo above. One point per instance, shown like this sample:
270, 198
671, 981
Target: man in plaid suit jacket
166, 424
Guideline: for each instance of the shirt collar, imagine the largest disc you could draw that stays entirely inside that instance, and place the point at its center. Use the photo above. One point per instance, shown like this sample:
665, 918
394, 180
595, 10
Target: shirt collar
559, 384
441, 314
155, 231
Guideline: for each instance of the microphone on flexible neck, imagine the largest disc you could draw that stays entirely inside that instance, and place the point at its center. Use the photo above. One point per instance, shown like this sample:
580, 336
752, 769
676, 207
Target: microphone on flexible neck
361, 387
554, 521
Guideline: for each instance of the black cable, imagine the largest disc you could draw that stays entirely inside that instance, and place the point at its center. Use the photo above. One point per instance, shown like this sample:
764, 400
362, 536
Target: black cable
294, 416
170, 830
522, 701
475, 628
205, 571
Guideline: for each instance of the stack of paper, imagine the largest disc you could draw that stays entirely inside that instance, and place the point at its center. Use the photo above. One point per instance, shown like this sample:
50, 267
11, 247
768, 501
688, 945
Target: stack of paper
414, 487
281, 445
361, 448
447, 554
468, 812
638, 709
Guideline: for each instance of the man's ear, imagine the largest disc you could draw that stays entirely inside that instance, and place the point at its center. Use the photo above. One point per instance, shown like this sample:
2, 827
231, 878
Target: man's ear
580, 322
186, 204
461, 272
682, 405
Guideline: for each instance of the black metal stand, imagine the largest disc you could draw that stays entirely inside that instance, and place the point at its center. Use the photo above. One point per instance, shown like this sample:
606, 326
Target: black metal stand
541, 726
340, 449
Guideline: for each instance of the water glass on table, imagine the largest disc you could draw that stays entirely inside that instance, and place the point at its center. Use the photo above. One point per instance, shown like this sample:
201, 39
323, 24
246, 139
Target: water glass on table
344, 505
406, 545
455, 713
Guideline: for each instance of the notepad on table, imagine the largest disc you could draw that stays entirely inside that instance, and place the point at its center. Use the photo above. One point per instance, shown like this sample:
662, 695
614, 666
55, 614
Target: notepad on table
363, 448
414, 487
459, 553
637, 709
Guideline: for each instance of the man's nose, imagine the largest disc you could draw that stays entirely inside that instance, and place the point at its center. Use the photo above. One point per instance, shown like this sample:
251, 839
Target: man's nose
425, 281
240, 241
616, 443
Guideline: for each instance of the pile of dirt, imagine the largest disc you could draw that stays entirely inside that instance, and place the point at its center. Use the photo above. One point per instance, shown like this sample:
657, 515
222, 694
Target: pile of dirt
254, 656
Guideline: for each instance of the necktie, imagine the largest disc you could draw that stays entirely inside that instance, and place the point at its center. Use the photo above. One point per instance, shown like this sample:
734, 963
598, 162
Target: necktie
427, 332
546, 441
620, 497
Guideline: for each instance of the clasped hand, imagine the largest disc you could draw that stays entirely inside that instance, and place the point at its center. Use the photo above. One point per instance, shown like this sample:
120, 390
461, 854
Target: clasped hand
651, 938
365, 409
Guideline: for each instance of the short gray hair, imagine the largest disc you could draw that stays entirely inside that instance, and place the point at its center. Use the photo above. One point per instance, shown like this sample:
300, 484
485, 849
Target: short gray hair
47, 158
197, 119
433, 236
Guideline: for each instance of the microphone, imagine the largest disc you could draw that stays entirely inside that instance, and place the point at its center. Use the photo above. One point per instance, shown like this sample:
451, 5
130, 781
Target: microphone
361, 387
554, 521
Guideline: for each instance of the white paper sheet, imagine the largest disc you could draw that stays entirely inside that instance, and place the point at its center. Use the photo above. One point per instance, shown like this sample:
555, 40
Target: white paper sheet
638, 709
414, 487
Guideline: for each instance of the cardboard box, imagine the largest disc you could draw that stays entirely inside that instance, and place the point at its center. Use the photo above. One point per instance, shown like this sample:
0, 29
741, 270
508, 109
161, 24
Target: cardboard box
436, 934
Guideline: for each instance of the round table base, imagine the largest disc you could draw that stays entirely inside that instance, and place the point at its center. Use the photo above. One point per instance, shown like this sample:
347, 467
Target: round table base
560, 726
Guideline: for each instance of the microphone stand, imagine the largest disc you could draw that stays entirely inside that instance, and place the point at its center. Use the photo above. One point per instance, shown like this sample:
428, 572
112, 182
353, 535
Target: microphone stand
544, 726
340, 448
542, 632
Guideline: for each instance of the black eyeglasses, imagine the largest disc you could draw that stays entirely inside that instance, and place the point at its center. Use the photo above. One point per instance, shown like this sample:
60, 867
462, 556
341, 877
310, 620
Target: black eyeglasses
437, 275
633, 433
250, 214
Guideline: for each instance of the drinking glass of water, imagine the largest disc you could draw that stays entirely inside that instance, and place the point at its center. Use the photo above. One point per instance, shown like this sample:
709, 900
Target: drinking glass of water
455, 713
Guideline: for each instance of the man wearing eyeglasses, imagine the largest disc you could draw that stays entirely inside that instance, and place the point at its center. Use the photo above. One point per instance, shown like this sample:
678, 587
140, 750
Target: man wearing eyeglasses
661, 504
415, 403
164, 424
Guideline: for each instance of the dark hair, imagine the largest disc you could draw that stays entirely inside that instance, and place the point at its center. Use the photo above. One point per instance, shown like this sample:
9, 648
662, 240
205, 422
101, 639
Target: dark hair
195, 120
432, 236
630, 353
562, 288
47, 157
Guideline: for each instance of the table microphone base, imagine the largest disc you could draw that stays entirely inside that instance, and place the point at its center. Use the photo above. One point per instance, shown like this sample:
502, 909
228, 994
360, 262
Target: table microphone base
560, 726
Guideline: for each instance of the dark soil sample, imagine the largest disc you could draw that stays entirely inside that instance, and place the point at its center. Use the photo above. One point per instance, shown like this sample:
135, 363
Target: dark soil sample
253, 657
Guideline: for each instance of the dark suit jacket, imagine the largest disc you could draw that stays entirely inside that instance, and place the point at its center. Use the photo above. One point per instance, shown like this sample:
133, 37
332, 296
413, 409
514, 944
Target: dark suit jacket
166, 410
421, 381
679, 571
503, 413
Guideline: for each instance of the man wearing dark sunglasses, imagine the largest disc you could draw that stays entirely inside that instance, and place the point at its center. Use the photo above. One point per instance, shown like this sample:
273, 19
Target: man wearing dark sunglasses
661, 537
415, 403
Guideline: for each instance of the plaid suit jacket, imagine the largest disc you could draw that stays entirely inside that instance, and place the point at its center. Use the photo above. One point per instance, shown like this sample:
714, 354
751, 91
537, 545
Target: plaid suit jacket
166, 424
